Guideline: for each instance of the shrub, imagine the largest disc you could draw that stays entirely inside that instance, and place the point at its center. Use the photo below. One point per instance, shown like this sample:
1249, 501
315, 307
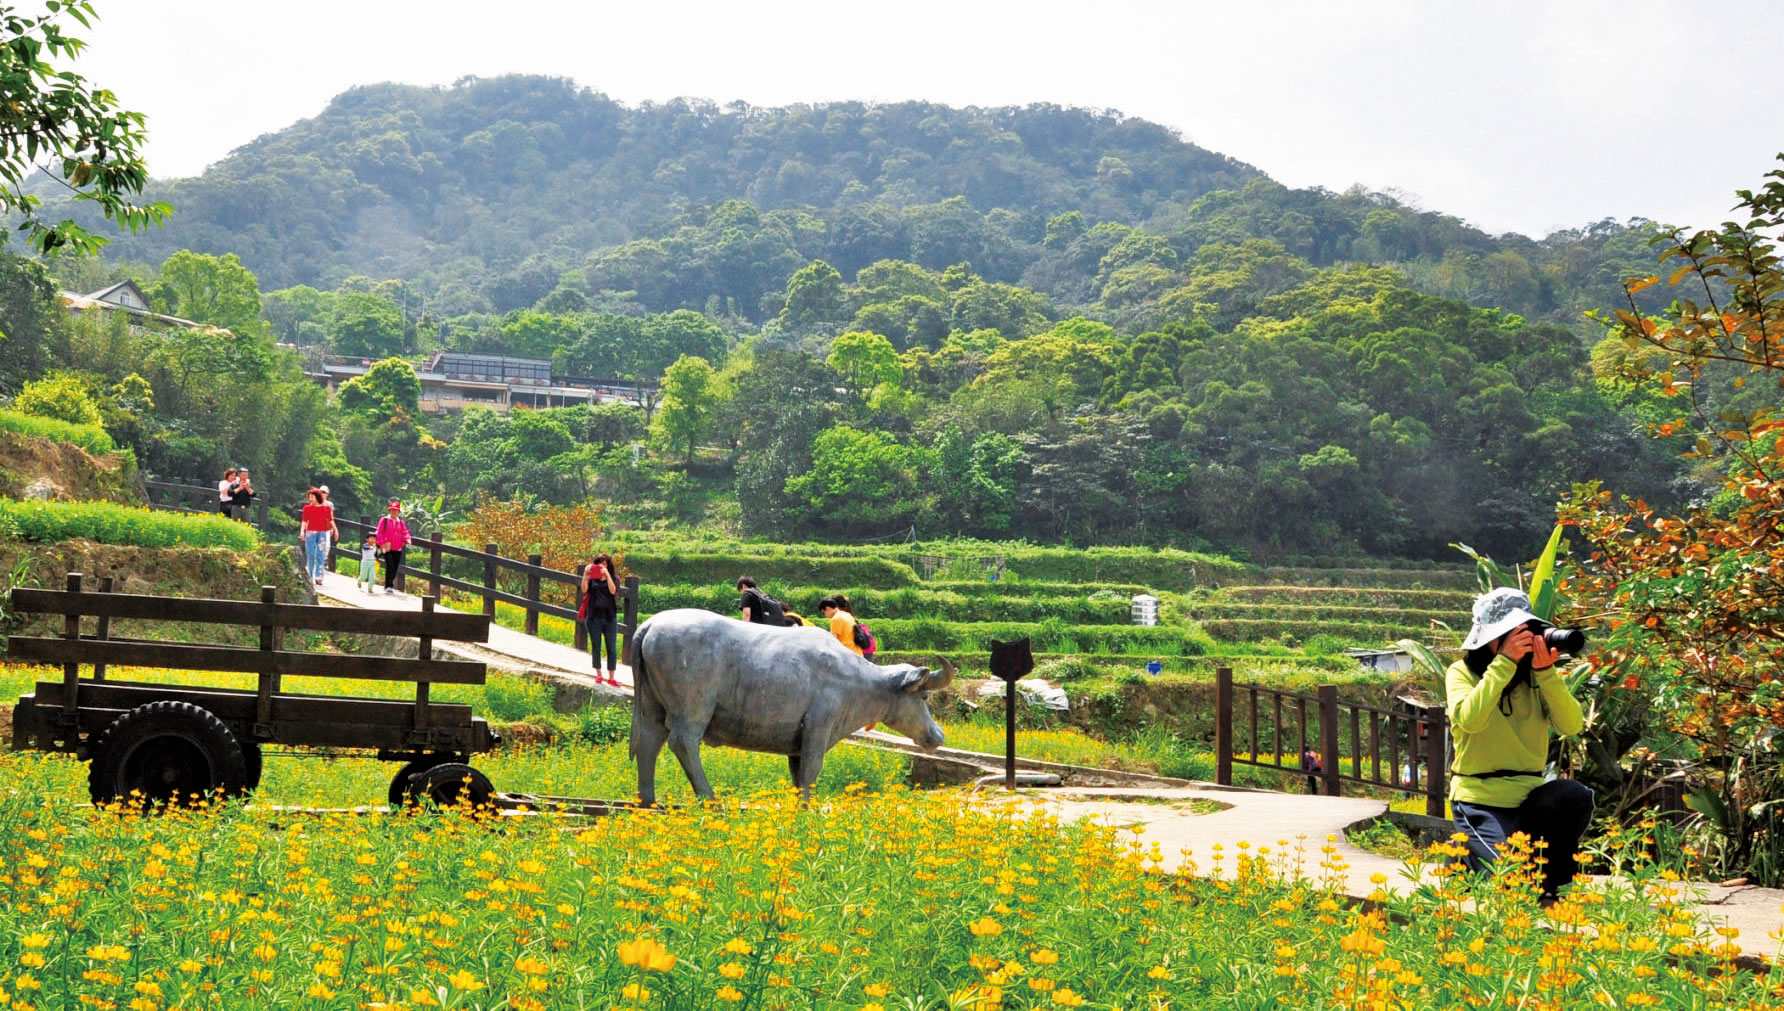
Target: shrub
91, 438
598, 725
59, 396
512, 699
110, 523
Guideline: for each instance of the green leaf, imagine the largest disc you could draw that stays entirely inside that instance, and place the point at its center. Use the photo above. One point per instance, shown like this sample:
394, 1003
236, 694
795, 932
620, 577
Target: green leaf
1423, 658
1542, 584
1706, 803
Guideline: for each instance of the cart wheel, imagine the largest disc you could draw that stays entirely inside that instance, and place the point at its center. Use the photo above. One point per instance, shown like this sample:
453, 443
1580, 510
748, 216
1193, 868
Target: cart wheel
401, 782
166, 752
451, 784
252, 758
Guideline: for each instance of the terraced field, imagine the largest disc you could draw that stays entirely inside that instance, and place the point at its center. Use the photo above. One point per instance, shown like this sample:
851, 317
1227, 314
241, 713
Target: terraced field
1212, 610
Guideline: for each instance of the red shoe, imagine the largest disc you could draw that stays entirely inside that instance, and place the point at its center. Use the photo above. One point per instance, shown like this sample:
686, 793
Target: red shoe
613, 680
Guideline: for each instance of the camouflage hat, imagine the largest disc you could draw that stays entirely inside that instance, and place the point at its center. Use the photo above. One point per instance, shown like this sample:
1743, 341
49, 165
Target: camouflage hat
1497, 612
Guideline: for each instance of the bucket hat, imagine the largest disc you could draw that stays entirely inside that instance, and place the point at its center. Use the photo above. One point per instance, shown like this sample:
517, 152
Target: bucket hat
1497, 612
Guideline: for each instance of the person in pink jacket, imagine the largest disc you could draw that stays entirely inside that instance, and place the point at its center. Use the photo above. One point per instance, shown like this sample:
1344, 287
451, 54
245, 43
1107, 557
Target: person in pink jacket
393, 536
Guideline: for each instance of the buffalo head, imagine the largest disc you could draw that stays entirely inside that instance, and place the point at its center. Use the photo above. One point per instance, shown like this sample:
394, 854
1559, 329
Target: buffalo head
909, 712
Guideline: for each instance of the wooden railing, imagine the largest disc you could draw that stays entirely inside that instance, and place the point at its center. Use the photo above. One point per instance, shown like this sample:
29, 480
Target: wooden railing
492, 564
1414, 740
197, 498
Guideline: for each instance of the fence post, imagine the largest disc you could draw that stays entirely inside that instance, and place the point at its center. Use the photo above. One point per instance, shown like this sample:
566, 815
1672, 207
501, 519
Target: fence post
532, 620
71, 672
631, 624
269, 673
1436, 762
580, 635
1223, 726
260, 511
489, 581
433, 565
1328, 740
104, 630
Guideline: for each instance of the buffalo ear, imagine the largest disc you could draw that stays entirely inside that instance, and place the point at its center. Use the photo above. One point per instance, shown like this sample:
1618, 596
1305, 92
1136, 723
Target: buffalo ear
914, 679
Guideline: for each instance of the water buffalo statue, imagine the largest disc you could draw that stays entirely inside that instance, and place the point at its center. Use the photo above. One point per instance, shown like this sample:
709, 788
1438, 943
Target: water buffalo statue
786, 691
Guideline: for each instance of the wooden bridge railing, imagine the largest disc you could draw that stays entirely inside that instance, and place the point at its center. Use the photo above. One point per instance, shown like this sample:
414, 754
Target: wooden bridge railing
493, 565
179, 496
1415, 740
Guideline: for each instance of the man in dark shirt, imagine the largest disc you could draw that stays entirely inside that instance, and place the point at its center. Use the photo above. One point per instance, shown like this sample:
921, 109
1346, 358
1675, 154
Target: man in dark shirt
757, 606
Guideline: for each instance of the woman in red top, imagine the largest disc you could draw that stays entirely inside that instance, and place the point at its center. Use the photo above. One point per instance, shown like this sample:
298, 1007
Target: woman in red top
318, 526
600, 612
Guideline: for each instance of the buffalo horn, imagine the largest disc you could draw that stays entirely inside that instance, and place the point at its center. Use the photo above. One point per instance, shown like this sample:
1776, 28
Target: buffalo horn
945, 678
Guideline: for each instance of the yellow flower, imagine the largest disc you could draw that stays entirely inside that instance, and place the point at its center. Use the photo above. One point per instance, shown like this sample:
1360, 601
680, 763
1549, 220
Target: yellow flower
985, 926
727, 993
877, 989
191, 966
1040, 983
873, 1007
731, 970
319, 991
1066, 997
633, 991
1044, 956
738, 946
531, 966
35, 940
1159, 972
464, 980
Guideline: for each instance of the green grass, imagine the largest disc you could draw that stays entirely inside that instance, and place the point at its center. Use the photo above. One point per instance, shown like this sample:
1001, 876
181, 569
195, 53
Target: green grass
91, 438
111, 523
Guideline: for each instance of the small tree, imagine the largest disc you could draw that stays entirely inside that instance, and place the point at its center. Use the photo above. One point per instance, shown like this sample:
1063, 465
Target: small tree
692, 397
1693, 604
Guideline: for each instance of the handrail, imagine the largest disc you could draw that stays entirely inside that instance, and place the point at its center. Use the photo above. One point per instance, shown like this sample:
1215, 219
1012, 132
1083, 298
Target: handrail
436, 547
1422, 733
173, 495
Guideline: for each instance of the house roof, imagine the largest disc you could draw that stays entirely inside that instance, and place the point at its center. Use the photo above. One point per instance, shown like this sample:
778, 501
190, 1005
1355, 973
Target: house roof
99, 296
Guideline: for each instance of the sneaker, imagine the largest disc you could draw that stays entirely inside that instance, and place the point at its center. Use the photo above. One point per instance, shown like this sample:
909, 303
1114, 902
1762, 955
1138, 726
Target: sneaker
318, 582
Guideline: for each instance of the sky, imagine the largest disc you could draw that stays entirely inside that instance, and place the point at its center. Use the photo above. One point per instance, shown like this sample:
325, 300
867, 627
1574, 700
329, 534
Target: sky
1513, 115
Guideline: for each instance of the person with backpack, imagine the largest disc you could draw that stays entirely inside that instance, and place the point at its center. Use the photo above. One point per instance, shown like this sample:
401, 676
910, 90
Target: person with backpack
848, 631
758, 607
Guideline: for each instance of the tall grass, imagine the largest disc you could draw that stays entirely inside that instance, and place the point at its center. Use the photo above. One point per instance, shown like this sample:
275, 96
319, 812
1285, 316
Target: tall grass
91, 438
111, 523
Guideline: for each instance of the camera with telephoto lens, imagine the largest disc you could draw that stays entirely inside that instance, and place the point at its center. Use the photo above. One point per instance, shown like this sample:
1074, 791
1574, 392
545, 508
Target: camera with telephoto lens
1562, 640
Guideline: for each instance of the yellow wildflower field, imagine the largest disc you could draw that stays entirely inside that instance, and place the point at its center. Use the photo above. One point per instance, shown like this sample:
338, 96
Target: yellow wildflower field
866, 900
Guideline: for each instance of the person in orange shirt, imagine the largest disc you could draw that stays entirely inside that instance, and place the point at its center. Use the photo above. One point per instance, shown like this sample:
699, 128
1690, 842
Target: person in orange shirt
835, 609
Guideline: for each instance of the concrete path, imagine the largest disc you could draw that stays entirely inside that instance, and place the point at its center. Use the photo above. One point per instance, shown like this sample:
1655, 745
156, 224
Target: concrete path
507, 650
1299, 825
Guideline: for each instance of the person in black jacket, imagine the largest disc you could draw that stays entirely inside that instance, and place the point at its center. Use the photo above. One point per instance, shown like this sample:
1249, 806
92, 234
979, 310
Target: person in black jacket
600, 613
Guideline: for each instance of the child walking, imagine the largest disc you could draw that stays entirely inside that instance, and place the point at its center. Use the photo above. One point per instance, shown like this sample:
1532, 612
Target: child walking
368, 563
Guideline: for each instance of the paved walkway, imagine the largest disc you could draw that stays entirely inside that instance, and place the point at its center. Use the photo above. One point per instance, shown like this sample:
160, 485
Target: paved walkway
1299, 825
507, 650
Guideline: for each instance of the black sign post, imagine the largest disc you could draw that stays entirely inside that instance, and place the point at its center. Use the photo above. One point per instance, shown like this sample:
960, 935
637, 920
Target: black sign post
1010, 661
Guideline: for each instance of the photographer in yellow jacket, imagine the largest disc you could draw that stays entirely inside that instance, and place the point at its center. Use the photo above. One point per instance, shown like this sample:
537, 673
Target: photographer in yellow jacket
1505, 696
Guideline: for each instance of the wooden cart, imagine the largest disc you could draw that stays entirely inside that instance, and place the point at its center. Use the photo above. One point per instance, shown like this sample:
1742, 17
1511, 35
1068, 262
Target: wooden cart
162, 743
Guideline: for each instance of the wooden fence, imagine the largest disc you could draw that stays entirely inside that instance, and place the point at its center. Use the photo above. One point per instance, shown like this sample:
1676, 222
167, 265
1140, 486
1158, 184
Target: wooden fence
178, 496
491, 566
1280, 725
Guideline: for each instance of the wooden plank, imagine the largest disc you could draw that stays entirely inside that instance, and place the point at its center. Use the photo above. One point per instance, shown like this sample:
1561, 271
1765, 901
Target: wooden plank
232, 705
71, 671
221, 658
478, 589
1223, 726
104, 630
454, 625
269, 675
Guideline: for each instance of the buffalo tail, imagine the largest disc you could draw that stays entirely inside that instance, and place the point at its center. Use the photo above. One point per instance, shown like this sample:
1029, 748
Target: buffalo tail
640, 685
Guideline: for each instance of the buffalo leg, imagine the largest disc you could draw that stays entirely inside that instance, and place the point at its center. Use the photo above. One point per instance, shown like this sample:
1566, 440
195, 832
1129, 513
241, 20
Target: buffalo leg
684, 740
806, 766
648, 737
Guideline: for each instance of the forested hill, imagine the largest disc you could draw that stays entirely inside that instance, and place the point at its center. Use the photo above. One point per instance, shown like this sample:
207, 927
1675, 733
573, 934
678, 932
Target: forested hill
482, 195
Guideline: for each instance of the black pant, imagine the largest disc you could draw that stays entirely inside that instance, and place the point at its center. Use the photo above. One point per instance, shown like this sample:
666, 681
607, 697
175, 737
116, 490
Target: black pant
1557, 813
603, 628
393, 560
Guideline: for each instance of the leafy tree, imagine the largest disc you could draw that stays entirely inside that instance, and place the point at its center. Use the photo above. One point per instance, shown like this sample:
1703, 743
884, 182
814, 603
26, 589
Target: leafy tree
31, 326
1690, 602
387, 388
864, 360
814, 296
298, 314
62, 396
691, 397
366, 325
861, 481
213, 289
44, 110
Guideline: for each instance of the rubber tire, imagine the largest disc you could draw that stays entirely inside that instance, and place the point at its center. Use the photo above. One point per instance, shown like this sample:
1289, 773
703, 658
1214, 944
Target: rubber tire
188, 751
399, 795
450, 784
